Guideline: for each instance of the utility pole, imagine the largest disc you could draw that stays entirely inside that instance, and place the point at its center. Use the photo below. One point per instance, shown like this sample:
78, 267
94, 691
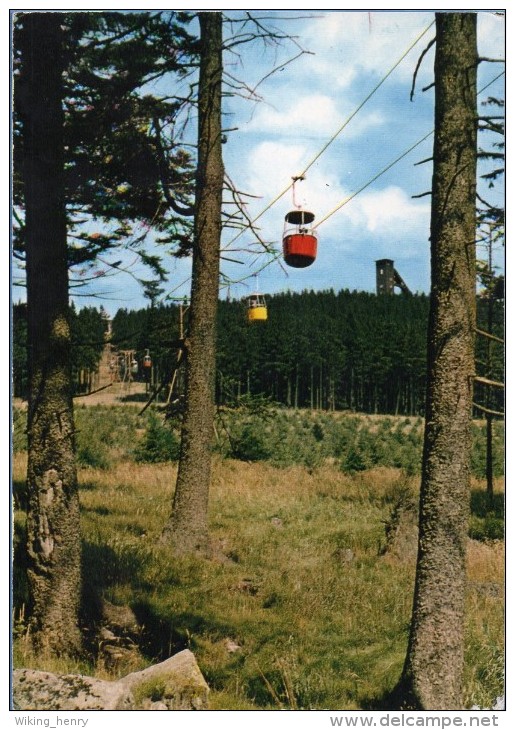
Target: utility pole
183, 308
489, 417
128, 364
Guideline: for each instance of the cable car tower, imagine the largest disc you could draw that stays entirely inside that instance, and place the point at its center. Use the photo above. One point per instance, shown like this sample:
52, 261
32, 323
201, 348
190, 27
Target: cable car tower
387, 278
299, 238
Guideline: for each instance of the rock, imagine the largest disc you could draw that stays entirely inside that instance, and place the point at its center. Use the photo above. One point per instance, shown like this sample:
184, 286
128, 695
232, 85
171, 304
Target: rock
119, 658
117, 637
149, 705
120, 619
106, 635
499, 704
231, 646
175, 684
247, 585
34, 690
344, 555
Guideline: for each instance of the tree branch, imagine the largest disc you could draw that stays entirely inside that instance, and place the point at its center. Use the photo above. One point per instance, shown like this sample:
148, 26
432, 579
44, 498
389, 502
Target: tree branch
487, 381
488, 410
489, 335
180, 210
426, 49
490, 60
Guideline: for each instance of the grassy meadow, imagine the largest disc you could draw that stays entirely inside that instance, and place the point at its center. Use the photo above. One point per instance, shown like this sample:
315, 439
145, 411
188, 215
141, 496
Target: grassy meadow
306, 598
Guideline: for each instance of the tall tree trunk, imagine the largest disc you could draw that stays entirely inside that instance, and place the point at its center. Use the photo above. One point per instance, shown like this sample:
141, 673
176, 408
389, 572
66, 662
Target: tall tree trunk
53, 518
432, 676
187, 528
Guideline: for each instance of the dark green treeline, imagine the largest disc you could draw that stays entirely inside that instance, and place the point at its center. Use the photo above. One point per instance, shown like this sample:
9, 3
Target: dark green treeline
328, 351
88, 328
320, 350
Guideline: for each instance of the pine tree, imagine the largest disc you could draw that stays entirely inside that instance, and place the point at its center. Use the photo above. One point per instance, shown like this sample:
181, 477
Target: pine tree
124, 159
187, 528
433, 672
53, 528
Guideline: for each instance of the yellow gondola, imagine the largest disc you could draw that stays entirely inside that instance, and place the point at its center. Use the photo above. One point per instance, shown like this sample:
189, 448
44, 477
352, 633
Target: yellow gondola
256, 308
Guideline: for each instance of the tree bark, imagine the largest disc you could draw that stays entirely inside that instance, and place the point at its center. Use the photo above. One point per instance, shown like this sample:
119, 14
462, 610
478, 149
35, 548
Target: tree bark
187, 528
432, 675
53, 527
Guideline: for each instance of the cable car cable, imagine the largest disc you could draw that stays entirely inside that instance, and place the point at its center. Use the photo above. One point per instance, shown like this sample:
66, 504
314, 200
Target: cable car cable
394, 162
373, 179
335, 135
353, 195
328, 143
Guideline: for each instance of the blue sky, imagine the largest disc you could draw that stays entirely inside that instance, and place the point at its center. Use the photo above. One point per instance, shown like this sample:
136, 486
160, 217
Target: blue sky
300, 107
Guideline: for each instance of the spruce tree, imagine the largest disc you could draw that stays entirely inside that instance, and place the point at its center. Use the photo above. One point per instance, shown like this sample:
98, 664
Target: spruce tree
53, 528
433, 672
187, 528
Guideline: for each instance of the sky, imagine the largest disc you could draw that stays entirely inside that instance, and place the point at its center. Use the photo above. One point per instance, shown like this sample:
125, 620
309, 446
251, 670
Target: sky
319, 112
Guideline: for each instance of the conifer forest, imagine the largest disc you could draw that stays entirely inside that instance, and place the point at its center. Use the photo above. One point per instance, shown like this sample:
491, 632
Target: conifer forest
321, 350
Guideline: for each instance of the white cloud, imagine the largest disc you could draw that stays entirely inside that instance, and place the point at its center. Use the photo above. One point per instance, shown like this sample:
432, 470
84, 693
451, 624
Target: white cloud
348, 44
383, 213
312, 114
309, 102
387, 210
490, 30
271, 166
312, 120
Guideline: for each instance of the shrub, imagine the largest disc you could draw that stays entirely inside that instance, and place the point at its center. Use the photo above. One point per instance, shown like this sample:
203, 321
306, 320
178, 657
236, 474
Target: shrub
251, 444
159, 444
354, 461
93, 454
487, 528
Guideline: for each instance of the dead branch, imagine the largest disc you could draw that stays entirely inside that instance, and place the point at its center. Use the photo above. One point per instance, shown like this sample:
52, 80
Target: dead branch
488, 410
422, 162
487, 381
247, 221
491, 60
426, 49
92, 392
489, 335
281, 67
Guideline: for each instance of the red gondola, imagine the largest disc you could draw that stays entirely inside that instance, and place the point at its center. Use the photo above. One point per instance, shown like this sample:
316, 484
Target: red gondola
299, 239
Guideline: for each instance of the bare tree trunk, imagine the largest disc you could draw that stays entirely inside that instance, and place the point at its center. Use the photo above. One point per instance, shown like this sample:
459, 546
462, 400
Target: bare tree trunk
432, 676
53, 518
187, 528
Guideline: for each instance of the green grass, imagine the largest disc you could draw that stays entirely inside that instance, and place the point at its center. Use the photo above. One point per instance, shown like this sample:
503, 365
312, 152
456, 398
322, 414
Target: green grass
297, 607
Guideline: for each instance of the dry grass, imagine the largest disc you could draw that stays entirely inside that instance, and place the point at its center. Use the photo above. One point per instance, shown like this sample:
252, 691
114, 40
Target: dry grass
296, 608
